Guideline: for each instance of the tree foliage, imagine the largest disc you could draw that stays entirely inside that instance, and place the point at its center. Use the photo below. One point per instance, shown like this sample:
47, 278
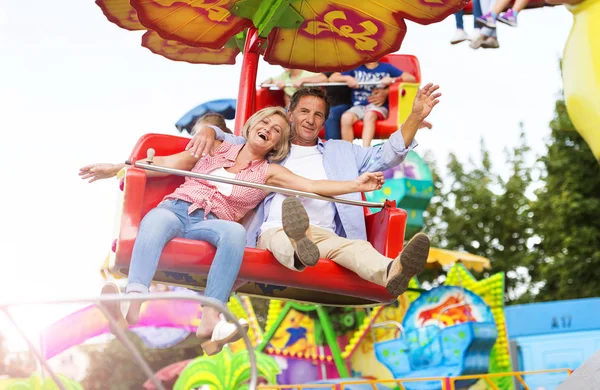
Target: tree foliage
567, 216
481, 213
548, 241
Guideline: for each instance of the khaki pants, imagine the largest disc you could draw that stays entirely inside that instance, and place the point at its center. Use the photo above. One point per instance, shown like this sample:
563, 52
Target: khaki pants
356, 255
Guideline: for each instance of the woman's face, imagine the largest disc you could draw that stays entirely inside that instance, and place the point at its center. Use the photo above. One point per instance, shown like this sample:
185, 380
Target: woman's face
265, 135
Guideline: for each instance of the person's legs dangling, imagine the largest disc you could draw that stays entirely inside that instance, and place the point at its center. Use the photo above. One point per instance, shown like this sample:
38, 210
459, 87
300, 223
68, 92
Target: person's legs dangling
157, 228
229, 239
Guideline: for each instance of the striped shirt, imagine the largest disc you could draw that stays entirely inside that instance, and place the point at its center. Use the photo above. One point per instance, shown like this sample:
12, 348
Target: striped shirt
203, 194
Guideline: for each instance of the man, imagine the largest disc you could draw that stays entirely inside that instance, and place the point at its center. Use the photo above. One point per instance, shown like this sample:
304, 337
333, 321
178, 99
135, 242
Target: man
337, 230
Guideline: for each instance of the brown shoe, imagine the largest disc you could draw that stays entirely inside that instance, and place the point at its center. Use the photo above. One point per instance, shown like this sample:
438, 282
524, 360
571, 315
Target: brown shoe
410, 262
295, 225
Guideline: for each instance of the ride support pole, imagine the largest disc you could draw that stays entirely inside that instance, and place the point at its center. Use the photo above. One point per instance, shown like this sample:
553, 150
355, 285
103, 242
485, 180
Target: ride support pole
247, 90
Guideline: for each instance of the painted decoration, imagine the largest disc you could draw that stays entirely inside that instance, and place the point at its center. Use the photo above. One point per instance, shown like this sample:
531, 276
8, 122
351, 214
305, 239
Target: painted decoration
177, 51
198, 23
446, 306
121, 13
89, 322
347, 32
448, 331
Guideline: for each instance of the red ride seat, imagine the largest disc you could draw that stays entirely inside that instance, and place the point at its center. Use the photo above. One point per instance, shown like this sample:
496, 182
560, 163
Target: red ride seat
400, 98
186, 262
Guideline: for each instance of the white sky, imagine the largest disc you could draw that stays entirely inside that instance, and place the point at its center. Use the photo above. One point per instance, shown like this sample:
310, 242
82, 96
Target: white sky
76, 89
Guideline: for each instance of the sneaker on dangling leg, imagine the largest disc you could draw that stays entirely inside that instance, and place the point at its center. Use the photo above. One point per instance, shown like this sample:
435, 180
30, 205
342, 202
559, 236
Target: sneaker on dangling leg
459, 36
477, 42
509, 17
487, 20
490, 43
474, 35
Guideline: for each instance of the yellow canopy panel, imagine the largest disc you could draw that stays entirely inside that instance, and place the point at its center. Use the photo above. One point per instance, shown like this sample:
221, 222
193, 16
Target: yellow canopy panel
444, 257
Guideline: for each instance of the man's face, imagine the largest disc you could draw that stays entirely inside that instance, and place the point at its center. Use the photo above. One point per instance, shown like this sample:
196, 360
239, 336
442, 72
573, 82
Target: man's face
307, 120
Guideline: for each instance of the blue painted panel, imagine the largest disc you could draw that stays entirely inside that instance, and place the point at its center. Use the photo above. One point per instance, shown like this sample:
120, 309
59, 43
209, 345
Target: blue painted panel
553, 317
564, 350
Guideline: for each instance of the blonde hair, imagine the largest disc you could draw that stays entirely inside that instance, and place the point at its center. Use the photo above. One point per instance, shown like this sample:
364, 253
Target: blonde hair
282, 149
211, 118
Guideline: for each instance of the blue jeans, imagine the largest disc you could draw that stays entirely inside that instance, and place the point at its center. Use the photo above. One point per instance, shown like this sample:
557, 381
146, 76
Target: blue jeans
333, 125
170, 219
476, 13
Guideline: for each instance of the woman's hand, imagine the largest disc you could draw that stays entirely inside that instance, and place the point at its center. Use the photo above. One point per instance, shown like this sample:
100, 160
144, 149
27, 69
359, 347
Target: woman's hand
369, 181
99, 171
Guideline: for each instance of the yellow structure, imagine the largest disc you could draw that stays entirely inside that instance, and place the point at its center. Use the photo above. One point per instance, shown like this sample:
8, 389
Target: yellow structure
581, 70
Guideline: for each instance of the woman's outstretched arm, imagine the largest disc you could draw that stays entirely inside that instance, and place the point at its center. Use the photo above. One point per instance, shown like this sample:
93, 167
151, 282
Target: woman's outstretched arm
183, 161
280, 176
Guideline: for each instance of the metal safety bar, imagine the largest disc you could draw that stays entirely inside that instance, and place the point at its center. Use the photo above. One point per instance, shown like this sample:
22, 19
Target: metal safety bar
265, 187
332, 84
120, 333
386, 324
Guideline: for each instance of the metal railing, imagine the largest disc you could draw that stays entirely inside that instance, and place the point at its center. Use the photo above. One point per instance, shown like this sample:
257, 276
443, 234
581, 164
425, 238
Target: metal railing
120, 333
446, 383
517, 374
387, 324
331, 84
172, 171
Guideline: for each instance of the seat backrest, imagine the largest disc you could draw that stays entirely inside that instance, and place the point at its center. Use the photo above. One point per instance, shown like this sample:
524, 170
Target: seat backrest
158, 187
406, 63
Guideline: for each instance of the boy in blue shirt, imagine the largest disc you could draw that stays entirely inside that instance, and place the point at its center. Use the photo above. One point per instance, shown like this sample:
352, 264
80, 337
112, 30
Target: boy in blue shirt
363, 109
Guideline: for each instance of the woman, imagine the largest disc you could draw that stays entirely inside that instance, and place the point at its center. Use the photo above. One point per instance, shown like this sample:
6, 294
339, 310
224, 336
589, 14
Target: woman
208, 211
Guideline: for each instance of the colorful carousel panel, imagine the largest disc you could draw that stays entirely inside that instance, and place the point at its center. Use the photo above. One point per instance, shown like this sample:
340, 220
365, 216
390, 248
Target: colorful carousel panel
177, 51
205, 23
121, 13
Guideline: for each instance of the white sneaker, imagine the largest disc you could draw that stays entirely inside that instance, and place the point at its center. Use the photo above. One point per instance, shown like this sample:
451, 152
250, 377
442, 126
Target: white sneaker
223, 334
459, 36
476, 43
474, 35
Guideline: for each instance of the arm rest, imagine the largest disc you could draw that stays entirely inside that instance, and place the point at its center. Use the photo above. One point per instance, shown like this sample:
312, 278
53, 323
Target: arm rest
385, 229
133, 197
404, 100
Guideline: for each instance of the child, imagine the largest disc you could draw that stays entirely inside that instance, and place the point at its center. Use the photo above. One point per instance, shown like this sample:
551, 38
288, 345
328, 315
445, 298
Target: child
381, 72
297, 77
211, 118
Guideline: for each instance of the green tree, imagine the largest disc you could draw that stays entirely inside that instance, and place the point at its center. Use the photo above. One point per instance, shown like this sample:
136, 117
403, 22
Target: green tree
567, 216
481, 213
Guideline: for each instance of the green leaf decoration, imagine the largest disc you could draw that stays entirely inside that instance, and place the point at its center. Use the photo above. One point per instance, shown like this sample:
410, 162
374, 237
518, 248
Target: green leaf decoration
226, 371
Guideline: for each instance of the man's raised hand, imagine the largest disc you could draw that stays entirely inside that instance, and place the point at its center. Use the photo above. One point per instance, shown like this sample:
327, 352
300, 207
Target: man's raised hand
426, 99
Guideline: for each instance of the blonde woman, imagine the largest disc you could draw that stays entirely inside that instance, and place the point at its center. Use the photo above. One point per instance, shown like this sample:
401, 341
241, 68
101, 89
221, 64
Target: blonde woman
209, 211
